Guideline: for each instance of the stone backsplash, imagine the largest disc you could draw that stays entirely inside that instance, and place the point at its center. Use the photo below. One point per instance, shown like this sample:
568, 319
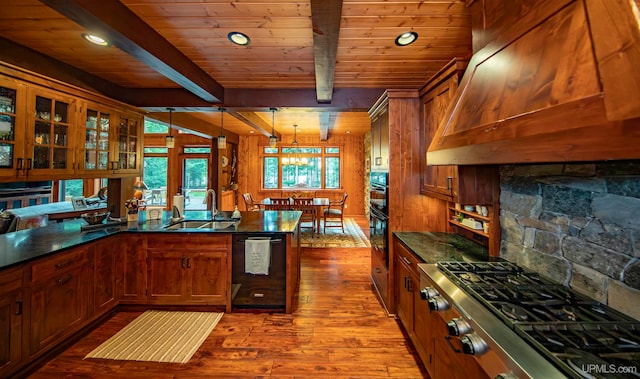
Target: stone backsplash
578, 224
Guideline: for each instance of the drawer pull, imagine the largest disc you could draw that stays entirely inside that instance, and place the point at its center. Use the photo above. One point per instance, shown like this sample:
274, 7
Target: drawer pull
407, 261
378, 271
18, 308
65, 279
65, 264
448, 338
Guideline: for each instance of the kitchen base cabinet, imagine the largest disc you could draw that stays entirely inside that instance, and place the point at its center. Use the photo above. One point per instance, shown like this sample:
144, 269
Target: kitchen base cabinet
105, 267
450, 361
132, 268
380, 278
11, 320
192, 269
411, 309
59, 298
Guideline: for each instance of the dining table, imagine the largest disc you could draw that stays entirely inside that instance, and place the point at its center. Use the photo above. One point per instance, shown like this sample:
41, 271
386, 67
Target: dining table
318, 204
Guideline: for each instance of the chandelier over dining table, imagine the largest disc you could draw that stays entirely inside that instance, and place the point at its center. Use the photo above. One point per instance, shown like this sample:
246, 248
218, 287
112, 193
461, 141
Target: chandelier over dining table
293, 158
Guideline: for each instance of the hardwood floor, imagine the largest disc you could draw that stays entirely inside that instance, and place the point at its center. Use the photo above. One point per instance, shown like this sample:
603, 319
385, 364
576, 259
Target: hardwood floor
338, 330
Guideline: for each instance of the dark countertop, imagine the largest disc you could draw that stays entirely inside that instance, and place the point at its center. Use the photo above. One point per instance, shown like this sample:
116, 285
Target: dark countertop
25, 245
432, 247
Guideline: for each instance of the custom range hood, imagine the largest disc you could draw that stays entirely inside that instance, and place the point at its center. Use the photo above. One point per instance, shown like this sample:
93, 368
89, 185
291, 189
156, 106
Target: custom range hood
550, 81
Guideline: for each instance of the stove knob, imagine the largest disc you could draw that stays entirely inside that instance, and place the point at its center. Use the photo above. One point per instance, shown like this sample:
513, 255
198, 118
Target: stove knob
428, 292
473, 344
438, 303
458, 326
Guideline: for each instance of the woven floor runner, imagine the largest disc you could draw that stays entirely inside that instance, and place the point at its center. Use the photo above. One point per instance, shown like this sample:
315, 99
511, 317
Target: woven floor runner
159, 336
333, 237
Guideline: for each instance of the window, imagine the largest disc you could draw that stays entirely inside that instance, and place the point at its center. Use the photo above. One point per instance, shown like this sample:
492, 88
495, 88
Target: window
154, 174
308, 167
71, 188
153, 126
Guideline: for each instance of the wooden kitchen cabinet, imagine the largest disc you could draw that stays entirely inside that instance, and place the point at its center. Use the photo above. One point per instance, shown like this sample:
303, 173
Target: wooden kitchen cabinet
129, 143
105, 270
450, 361
379, 115
11, 319
411, 309
438, 181
96, 141
52, 127
131, 279
192, 269
12, 129
59, 297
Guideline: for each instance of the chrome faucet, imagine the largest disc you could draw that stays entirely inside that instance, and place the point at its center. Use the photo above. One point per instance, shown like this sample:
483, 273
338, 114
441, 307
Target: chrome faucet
213, 200
175, 215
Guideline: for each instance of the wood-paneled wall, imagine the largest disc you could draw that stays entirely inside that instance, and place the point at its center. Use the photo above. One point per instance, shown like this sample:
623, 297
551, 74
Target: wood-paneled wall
352, 167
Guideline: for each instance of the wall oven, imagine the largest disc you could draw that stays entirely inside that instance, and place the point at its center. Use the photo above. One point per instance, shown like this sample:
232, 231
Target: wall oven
379, 216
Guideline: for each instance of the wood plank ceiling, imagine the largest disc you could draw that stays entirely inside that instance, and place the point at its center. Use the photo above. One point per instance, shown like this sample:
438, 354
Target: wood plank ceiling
322, 63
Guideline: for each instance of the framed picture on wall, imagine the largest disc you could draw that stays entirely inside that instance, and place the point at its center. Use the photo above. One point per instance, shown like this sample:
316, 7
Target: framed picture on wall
79, 203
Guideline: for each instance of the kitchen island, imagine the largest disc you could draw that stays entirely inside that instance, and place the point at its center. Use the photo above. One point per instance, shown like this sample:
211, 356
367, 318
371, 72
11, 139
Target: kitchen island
57, 281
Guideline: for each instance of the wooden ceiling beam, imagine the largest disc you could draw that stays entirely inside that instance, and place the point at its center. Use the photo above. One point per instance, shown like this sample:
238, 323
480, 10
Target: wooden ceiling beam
254, 121
115, 22
187, 122
324, 125
325, 17
344, 99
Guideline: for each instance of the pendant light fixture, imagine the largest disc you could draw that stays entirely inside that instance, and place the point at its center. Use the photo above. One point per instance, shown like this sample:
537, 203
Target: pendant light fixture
170, 140
273, 140
222, 140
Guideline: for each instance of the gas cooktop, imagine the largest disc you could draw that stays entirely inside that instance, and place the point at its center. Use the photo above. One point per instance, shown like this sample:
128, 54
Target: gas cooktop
585, 338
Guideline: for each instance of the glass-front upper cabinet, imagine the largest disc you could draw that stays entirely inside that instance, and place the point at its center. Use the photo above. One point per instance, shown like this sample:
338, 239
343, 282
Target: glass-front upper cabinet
12, 105
95, 148
129, 143
53, 128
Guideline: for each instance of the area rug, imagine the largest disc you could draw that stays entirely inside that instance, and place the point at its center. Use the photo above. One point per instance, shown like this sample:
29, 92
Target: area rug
159, 336
333, 237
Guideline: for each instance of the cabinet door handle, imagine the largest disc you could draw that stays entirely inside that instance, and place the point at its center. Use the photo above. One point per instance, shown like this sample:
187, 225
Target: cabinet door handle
378, 271
448, 338
182, 262
407, 261
65, 279
29, 163
449, 183
18, 308
19, 164
65, 264
188, 262
409, 286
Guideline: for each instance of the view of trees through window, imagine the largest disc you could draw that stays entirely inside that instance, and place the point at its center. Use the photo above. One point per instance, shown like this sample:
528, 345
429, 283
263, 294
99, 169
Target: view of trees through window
71, 187
310, 167
153, 126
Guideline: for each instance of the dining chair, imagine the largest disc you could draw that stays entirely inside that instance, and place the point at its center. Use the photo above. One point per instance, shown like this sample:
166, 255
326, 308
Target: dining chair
249, 202
305, 205
279, 203
333, 215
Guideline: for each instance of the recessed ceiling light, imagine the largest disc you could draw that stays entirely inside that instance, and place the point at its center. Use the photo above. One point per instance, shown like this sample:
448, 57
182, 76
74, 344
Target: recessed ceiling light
407, 38
239, 38
95, 39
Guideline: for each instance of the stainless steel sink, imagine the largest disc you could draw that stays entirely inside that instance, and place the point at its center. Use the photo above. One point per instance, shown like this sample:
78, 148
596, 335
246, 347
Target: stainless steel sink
188, 225
222, 224
213, 225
